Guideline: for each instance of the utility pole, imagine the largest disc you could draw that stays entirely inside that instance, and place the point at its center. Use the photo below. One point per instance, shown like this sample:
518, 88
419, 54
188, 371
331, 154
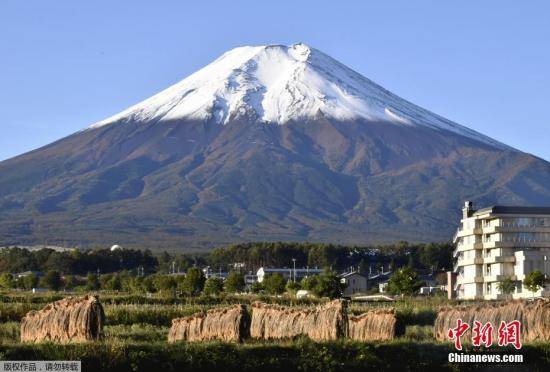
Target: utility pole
294, 262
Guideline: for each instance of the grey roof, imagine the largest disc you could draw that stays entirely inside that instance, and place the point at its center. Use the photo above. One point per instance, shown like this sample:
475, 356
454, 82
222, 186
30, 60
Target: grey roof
345, 275
501, 209
278, 270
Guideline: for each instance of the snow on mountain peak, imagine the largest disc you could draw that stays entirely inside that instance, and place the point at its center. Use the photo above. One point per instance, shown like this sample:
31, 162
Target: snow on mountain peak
277, 84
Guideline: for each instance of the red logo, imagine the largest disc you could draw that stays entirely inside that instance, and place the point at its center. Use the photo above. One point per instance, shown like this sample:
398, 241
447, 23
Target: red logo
457, 332
508, 334
482, 334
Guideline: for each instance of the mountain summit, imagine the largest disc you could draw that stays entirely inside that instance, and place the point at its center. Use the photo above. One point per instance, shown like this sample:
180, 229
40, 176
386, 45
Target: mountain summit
278, 84
265, 143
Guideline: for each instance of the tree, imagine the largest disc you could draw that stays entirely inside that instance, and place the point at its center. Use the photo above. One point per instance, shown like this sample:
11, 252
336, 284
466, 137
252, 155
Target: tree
234, 282
104, 280
114, 284
147, 284
92, 282
30, 281
52, 280
256, 287
363, 266
404, 281
274, 284
164, 283
213, 286
292, 287
70, 282
506, 286
6, 281
328, 285
310, 282
133, 284
193, 282
534, 281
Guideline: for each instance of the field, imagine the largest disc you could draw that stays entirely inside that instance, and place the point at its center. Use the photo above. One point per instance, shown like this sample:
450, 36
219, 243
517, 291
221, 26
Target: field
137, 328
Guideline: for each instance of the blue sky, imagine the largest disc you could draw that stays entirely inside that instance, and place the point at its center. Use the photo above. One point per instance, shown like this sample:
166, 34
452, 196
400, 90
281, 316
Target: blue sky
67, 64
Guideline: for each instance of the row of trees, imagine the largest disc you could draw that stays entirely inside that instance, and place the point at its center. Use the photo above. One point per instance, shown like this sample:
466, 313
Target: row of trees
533, 281
75, 261
436, 256
404, 281
193, 283
253, 255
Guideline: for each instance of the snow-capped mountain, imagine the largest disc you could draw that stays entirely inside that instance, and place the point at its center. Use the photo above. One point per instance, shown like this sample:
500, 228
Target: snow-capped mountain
265, 143
278, 84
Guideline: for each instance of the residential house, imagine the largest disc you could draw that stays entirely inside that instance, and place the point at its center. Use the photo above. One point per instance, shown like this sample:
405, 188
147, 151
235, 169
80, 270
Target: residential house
355, 283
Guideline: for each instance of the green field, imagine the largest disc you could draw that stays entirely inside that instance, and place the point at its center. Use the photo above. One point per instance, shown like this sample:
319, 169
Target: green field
137, 326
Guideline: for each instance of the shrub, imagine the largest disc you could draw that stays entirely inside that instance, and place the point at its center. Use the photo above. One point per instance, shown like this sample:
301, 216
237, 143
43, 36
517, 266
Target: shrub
213, 286
274, 284
234, 282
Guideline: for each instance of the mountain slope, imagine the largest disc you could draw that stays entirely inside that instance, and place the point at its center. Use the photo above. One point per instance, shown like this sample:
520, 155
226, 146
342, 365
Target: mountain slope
270, 143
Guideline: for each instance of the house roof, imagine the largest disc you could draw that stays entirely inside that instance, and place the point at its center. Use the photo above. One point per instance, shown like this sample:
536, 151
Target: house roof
346, 275
502, 209
25, 273
287, 269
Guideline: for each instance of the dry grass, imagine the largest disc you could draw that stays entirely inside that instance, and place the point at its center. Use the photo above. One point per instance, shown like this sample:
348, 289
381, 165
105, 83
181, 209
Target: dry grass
73, 319
321, 323
534, 317
374, 325
229, 324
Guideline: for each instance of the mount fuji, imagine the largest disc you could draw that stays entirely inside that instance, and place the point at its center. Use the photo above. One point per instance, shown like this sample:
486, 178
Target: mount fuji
265, 143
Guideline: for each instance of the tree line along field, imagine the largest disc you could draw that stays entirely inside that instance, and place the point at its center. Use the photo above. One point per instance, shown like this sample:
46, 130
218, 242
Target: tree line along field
434, 256
143, 272
136, 330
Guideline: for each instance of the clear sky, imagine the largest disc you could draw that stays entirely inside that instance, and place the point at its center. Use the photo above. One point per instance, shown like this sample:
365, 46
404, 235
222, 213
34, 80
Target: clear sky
66, 64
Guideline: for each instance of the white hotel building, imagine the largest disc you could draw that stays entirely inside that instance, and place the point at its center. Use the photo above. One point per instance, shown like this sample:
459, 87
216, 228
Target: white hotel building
500, 242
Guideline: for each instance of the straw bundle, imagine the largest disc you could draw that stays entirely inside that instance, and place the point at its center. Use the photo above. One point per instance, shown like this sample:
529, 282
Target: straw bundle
73, 319
322, 323
534, 317
374, 325
227, 324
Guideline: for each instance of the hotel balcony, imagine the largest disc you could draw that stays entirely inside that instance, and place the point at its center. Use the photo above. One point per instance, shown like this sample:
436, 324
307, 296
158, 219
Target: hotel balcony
499, 259
498, 277
515, 229
470, 261
466, 232
475, 279
516, 243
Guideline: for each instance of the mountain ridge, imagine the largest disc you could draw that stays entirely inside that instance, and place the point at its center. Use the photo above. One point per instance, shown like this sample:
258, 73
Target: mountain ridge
145, 179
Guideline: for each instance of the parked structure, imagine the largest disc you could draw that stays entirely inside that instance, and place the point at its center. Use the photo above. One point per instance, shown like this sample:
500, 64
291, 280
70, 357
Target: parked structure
431, 290
209, 273
500, 242
250, 279
383, 287
287, 273
27, 273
